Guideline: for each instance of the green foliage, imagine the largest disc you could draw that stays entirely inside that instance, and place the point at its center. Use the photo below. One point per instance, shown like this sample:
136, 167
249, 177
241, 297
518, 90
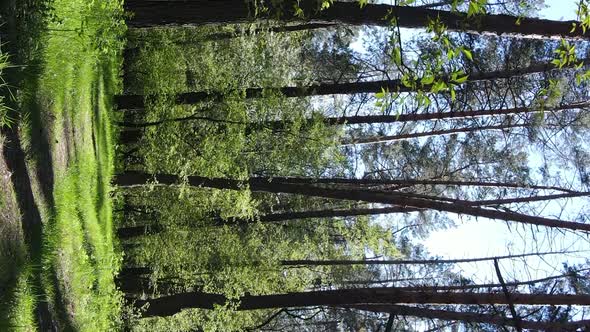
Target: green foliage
476, 7
217, 241
583, 13
363, 236
61, 99
566, 54
227, 139
20, 315
5, 118
430, 73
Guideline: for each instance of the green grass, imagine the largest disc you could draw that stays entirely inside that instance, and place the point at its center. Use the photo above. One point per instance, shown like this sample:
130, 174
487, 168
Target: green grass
17, 299
65, 119
20, 315
16, 296
81, 238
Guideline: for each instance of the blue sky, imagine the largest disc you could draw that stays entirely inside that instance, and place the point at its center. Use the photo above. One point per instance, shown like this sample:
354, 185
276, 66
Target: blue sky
483, 237
562, 10
491, 237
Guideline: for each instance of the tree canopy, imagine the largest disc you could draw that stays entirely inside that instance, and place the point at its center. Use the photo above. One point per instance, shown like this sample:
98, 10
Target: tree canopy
282, 164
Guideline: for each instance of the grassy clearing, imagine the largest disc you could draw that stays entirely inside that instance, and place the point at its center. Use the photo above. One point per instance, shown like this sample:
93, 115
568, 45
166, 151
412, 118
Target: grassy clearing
79, 240
65, 125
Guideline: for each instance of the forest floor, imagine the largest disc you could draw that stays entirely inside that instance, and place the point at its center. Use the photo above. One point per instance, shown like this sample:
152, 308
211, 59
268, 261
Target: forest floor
58, 256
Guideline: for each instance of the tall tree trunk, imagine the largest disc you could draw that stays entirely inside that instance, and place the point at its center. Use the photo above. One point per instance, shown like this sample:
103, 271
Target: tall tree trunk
130, 136
469, 317
499, 201
264, 184
134, 285
538, 198
367, 183
280, 125
140, 271
476, 286
137, 101
170, 305
148, 13
332, 213
309, 262
403, 137
399, 118
129, 232
413, 182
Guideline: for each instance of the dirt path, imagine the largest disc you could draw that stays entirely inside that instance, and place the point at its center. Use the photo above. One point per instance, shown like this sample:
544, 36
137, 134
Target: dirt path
15, 161
32, 224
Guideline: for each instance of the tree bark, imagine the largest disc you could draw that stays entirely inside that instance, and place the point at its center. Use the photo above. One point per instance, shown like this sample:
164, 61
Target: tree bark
538, 198
137, 101
133, 285
309, 262
130, 136
129, 232
403, 137
399, 118
170, 305
413, 182
496, 202
136, 272
470, 317
480, 286
280, 125
264, 184
332, 213
147, 13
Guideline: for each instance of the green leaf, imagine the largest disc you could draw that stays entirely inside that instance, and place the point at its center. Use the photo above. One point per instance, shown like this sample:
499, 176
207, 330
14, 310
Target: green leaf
299, 12
439, 86
427, 80
397, 56
450, 54
382, 94
461, 79
363, 3
468, 54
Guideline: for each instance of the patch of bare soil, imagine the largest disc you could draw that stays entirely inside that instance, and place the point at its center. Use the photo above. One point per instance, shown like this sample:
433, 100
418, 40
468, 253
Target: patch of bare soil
12, 246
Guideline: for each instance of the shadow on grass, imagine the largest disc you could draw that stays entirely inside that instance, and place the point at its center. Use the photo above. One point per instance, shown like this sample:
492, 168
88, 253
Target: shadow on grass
13, 254
31, 223
27, 15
